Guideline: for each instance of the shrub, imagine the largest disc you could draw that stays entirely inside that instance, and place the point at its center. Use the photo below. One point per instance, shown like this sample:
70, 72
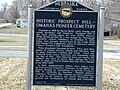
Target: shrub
118, 32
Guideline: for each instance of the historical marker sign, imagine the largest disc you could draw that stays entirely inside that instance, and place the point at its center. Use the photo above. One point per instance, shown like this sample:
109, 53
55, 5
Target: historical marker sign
65, 45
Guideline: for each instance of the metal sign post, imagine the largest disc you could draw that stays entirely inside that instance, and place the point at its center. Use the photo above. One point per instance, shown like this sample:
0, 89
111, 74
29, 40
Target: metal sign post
30, 27
100, 50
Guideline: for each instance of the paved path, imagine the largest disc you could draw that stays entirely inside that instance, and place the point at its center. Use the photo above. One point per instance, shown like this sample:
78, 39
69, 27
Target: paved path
111, 55
112, 47
12, 53
13, 46
4, 24
15, 35
111, 51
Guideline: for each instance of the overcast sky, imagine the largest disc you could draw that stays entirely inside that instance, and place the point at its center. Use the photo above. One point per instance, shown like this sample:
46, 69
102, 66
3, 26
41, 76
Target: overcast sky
7, 1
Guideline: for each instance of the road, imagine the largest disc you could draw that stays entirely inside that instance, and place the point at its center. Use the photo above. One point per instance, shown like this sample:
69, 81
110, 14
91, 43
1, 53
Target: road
110, 51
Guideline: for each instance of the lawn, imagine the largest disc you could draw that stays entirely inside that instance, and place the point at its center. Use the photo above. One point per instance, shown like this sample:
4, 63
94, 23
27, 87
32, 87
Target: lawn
13, 30
13, 41
113, 42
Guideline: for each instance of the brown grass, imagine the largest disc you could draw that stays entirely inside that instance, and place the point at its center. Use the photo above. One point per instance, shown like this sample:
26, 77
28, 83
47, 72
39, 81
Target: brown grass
16, 77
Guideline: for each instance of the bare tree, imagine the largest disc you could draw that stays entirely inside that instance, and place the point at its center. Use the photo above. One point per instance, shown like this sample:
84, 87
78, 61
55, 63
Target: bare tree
91, 3
13, 12
112, 15
23, 5
4, 7
112, 11
1, 15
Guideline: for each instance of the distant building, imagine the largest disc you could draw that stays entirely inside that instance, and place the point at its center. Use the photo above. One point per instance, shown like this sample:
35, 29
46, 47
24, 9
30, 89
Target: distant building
21, 23
2, 21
